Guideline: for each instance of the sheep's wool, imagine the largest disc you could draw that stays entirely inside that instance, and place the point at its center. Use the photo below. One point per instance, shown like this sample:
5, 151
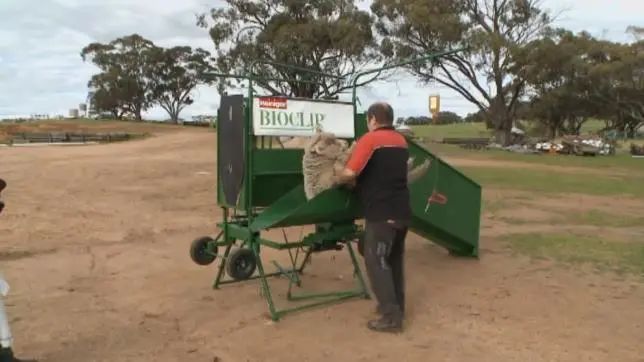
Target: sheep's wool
321, 154
324, 153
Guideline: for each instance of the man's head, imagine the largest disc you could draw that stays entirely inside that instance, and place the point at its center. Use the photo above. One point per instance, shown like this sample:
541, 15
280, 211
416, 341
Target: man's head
380, 114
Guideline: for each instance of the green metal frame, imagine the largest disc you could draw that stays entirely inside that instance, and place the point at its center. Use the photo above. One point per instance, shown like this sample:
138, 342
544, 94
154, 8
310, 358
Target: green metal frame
256, 198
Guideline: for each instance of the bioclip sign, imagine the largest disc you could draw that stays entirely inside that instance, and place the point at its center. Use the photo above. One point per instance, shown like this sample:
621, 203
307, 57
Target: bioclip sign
280, 116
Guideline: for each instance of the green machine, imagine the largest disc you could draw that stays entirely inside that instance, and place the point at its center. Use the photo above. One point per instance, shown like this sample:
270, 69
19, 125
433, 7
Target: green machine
260, 187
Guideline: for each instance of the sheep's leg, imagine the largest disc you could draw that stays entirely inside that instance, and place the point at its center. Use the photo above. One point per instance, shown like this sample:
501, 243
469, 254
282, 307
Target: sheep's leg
418, 172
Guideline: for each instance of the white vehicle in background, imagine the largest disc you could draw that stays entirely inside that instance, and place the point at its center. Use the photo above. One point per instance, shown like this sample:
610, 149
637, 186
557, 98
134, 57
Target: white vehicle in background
6, 340
404, 129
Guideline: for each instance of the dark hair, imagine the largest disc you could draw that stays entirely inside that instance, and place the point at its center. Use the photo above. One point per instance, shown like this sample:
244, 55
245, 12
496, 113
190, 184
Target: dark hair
383, 113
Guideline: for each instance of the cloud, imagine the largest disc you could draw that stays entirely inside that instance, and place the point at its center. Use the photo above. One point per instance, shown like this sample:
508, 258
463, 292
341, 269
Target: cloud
40, 42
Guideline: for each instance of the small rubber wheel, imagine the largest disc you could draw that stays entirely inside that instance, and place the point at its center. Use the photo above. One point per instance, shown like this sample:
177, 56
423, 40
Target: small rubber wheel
241, 264
200, 253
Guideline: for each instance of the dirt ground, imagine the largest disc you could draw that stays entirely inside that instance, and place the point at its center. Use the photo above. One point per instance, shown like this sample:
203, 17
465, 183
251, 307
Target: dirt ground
95, 244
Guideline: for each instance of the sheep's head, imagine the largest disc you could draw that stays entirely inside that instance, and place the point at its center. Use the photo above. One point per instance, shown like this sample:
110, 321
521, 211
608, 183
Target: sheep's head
326, 144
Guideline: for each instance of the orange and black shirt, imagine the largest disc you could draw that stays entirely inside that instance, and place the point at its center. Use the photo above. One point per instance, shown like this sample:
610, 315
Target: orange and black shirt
380, 160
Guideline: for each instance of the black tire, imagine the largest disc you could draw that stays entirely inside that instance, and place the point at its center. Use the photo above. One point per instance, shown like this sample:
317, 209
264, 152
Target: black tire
241, 264
199, 251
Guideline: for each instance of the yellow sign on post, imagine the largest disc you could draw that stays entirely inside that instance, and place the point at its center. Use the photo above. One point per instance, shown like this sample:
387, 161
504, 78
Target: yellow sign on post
434, 104
434, 107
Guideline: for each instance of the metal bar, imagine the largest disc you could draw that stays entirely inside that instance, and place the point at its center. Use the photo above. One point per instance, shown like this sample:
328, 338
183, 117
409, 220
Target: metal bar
212, 75
254, 277
280, 246
220, 272
225, 225
235, 231
317, 304
276, 79
249, 152
306, 259
265, 287
357, 271
290, 274
397, 65
305, 296
292, 67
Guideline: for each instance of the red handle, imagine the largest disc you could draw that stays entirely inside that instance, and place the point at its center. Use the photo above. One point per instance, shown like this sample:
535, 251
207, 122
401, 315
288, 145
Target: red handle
437, 198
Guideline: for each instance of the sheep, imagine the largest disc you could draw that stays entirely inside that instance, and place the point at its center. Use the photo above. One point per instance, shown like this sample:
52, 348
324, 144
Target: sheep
324, 154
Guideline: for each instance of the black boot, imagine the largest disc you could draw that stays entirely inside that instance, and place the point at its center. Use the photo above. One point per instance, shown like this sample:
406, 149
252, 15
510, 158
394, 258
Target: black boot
6, 355
386, 324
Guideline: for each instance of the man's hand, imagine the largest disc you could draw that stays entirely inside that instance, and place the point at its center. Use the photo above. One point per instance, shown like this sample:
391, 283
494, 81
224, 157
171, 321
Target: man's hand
345, 176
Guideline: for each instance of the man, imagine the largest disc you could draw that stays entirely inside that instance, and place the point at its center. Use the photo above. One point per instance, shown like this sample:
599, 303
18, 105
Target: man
378, 168
6, 353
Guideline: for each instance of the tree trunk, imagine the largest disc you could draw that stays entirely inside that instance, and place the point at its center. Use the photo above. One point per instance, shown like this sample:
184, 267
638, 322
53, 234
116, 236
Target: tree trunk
552, 130
630, 130
174, 116
503, 130
502, 120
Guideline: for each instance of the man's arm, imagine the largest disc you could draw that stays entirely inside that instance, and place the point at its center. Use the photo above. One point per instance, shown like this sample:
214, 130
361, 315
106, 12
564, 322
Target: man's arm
357, 161
344, 175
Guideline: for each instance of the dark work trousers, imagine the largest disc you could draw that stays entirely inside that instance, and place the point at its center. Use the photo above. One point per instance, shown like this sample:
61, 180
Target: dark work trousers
384, 249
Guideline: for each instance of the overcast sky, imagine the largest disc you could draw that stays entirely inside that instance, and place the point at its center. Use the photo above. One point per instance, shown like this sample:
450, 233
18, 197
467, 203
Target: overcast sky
41, 71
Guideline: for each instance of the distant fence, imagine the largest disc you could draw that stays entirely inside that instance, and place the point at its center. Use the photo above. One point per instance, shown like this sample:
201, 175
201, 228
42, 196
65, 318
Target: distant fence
70, 137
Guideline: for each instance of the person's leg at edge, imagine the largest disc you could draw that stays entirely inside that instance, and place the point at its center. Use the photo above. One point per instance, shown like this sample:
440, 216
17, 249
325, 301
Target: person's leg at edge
379, 238
398, 266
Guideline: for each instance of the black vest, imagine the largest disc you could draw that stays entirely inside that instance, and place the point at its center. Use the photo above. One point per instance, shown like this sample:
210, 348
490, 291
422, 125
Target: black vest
382, 184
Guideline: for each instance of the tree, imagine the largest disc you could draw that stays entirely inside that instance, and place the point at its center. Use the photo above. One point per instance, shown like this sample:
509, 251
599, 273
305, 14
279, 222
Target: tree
559, 83
447, 117
494, 33
174, 73
327, 36
475, 117
636, 31
618, 78
124, 65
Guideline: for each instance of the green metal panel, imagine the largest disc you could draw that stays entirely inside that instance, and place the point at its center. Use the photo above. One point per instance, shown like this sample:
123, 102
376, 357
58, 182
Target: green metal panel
275, 172
446, 205
336, 205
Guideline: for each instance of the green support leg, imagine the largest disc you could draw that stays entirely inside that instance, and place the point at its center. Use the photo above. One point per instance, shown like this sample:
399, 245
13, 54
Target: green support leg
220, 272
265, 287
357, 272
332, 297
323, 298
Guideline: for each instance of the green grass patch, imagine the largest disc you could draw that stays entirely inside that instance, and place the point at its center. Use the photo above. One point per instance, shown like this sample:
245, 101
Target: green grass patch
495, 206
619, 161
479, 129
601, 253
552, 182
622, 160
586, 218
601, 218
438, 132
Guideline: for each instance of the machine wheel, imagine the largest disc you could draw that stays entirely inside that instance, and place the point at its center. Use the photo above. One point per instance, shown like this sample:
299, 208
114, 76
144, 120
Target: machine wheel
199, 252
241, 264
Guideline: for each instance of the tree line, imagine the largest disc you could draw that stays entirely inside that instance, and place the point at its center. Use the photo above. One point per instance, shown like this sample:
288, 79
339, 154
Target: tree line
514, 63
136, 75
